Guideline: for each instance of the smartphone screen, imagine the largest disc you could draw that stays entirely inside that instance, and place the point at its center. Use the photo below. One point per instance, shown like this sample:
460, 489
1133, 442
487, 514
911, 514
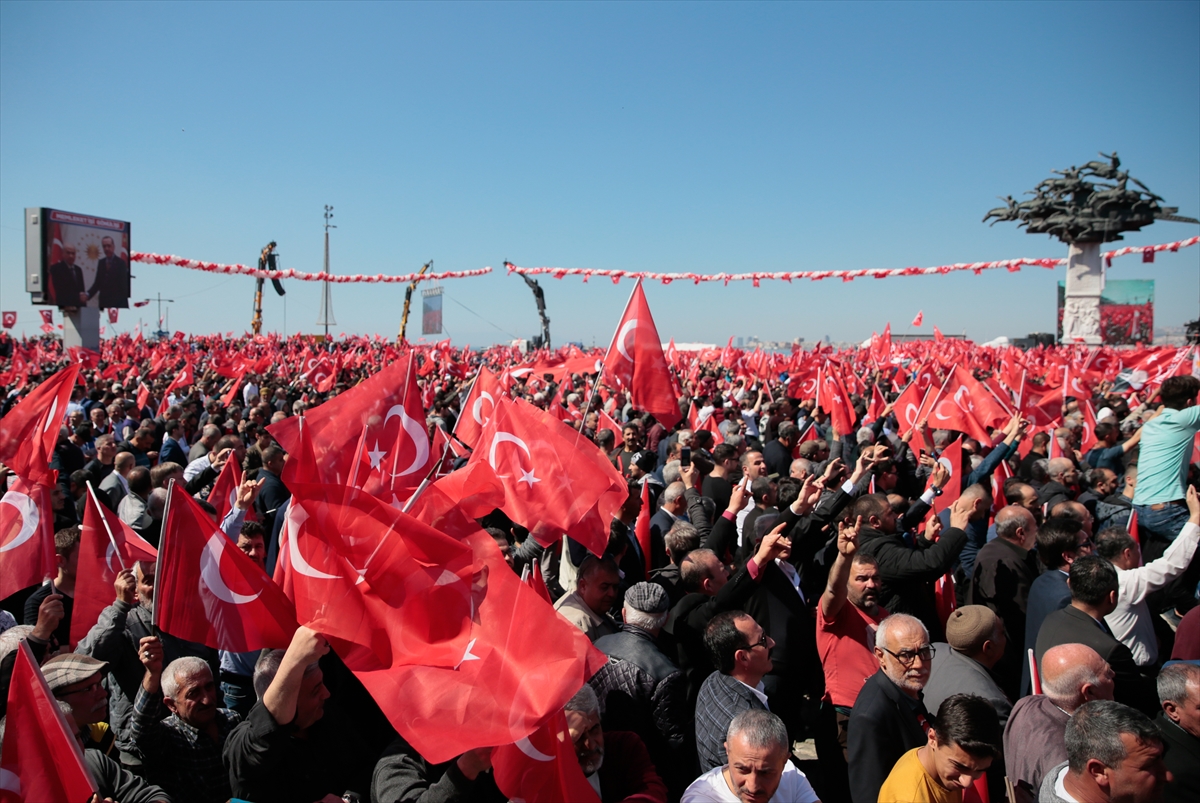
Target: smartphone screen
685, 456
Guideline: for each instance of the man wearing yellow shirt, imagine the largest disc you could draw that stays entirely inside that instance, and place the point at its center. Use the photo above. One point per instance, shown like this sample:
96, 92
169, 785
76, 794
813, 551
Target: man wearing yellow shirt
963, 742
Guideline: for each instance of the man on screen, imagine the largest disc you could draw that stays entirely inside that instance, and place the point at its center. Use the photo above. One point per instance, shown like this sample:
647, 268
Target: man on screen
66, 281
112, 277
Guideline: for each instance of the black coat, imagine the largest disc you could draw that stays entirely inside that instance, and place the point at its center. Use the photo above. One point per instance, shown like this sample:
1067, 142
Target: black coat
1183, 760
909, 573
112, 282
1072, 626
270, 498
66, 283
778, 458
883, 727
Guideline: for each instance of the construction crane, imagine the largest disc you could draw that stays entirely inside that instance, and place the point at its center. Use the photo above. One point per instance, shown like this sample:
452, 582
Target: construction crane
408, 299
267, 260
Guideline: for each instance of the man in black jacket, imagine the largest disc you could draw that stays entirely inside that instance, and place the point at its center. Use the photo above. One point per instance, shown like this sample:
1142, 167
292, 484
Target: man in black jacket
889, 718
908, 573
1093, 584
274, 493
1179, 723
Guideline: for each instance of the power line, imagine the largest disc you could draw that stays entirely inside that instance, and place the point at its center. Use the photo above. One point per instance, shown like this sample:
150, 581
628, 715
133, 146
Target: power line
480, 317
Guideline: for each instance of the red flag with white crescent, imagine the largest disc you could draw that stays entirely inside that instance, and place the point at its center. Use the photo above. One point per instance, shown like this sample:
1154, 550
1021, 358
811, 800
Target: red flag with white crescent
106, 546
477, 408
917, 321
29, 432
552, 476
26, 536
41, 759
208, 591
635, 360
543, 767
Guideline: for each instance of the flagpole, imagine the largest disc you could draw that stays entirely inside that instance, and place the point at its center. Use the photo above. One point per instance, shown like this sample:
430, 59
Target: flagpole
617, 331
162, 543
111, 538
474, 382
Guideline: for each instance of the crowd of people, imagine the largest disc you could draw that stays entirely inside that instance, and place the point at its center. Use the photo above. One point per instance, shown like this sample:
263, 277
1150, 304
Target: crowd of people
1034, 638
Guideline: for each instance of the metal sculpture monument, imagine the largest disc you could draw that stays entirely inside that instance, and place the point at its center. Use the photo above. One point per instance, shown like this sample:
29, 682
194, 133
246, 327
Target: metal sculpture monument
1084, 207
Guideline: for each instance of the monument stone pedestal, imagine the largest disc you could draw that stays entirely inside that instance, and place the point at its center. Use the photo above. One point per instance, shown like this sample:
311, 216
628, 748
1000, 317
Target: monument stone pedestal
1081, 305
82, 328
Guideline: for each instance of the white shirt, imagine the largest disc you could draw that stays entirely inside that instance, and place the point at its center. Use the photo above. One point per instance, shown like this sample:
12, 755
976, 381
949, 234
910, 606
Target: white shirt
711, 787
1132, 623
1060, 789
250, 390
760, 691
741, 517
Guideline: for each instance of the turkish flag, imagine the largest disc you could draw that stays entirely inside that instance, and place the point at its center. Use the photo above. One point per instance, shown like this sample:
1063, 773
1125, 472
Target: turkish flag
635, 360
223, 496
1000, 475
523, 662
85, 357
835, 401
47, 316
372, 436
542, 767
239, 608
231, 394
9, 319
952, 460
917, 321
375, 579
908, 407
143, 396
30, 431
607, 422
41, 760
1089, 427
321, 374
878, 405
113, 314
26, 536
552, 476
106, 545
642, 528
955, 407
937, 335
535, 581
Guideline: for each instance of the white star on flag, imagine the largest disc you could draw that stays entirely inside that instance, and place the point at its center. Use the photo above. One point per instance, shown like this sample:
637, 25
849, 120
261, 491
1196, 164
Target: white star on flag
467, 655
376, 455
528, 478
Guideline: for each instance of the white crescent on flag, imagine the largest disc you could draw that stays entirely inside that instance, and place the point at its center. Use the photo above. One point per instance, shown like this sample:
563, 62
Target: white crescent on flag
31, 517
210, 573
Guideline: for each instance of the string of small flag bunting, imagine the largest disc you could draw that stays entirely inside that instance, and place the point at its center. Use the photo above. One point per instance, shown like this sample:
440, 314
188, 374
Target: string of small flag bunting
1011, 265
291, 273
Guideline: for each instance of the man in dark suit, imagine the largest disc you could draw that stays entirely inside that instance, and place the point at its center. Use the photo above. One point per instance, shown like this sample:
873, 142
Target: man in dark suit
112, 277
172, 451
1004, 572
778, 453
1179, 723
674, 508
889, 717
1093, 584
1060, 541
66, 281
274, 493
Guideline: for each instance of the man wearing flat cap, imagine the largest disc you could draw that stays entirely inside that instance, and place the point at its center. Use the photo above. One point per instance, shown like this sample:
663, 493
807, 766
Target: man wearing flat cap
78, 680
640, 688
975, 642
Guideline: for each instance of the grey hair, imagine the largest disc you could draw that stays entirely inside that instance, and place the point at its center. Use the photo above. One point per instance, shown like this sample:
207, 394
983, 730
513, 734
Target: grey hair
804, 463
584, 701
1173, 681
681, 539
267, 667
865, 436
1094, 732
10, 638
735, 439
673, 492
180, 670
885, 627
761, 729
671, 472
646, 621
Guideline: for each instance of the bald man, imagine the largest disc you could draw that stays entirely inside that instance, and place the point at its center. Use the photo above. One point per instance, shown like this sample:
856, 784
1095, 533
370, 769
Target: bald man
1063, 476
1034, 739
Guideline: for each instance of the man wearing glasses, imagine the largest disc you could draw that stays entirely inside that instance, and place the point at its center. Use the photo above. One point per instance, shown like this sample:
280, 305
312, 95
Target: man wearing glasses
79, 680
889, 718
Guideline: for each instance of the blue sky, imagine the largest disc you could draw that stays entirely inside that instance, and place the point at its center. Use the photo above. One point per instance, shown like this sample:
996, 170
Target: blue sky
662, 137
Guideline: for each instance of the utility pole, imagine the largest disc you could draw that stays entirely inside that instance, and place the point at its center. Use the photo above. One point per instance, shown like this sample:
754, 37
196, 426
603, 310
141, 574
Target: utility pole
326, 317
161, 331
408, 300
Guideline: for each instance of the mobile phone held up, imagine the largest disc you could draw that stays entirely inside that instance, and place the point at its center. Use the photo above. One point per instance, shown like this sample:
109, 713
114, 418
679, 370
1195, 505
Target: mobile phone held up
685, 456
